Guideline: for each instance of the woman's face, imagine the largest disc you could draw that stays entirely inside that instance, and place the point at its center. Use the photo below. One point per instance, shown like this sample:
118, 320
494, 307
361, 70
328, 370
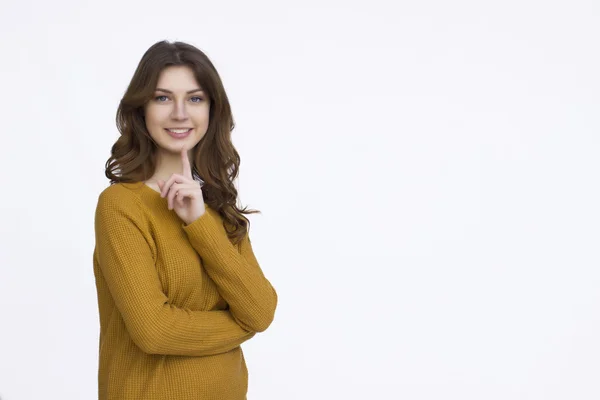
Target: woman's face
178, 102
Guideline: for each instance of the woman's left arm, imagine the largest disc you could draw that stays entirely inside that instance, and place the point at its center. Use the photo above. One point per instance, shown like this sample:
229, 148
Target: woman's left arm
251, 297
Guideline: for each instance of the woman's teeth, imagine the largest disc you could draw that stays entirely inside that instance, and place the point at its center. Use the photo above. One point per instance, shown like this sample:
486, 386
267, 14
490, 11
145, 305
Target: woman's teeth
179, 130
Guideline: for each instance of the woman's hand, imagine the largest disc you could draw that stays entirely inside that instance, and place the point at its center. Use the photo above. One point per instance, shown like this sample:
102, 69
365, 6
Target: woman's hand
183, 193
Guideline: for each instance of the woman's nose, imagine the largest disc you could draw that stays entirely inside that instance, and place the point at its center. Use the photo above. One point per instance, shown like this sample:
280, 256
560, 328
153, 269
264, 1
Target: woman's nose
179, 111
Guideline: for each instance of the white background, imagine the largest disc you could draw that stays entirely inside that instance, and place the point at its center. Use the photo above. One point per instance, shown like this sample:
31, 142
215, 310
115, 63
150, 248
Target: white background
427, 173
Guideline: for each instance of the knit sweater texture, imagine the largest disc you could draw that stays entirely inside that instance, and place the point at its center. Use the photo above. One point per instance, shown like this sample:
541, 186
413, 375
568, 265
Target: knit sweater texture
175, 301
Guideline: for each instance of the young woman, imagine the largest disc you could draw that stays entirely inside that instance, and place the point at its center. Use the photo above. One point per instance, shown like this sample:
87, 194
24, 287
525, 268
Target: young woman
179, 288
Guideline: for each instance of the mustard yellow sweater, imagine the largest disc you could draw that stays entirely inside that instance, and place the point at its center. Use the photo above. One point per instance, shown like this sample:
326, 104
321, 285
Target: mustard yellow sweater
175, 301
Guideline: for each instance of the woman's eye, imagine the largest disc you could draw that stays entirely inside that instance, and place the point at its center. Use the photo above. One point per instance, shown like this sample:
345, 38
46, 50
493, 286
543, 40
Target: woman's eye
199, 99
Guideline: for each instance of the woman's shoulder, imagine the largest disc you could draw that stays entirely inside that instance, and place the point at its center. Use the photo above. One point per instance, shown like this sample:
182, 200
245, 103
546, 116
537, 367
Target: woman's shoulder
120, 193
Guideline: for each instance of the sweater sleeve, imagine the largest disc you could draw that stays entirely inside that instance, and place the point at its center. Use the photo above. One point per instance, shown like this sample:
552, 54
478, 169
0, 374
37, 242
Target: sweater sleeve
126, 260
251, 297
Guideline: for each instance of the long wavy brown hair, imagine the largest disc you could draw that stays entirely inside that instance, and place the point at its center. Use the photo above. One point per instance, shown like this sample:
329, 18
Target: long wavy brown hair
215, 159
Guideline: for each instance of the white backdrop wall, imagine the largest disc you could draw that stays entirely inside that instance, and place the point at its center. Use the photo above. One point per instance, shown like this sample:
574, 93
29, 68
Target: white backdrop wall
426, 172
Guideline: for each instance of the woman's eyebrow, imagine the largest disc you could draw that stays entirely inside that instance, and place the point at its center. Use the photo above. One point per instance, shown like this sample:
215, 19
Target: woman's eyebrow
189, 91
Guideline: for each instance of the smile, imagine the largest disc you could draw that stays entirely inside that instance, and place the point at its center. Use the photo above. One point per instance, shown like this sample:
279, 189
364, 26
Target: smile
179, 133
179, 130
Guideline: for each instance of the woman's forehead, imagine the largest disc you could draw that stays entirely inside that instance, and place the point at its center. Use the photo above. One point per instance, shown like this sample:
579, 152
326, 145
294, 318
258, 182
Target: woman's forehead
179, 79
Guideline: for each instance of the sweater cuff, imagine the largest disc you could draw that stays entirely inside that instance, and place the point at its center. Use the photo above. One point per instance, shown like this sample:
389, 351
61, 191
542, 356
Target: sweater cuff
206, 231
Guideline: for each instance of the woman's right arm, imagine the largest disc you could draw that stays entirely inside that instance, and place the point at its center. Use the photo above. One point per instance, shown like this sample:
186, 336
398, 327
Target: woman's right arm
155, 326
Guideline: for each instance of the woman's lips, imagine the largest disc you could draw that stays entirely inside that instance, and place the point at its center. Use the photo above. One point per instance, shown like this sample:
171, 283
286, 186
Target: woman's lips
179, 135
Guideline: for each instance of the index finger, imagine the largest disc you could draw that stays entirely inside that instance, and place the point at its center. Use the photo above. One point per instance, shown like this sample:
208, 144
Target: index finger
187, 168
